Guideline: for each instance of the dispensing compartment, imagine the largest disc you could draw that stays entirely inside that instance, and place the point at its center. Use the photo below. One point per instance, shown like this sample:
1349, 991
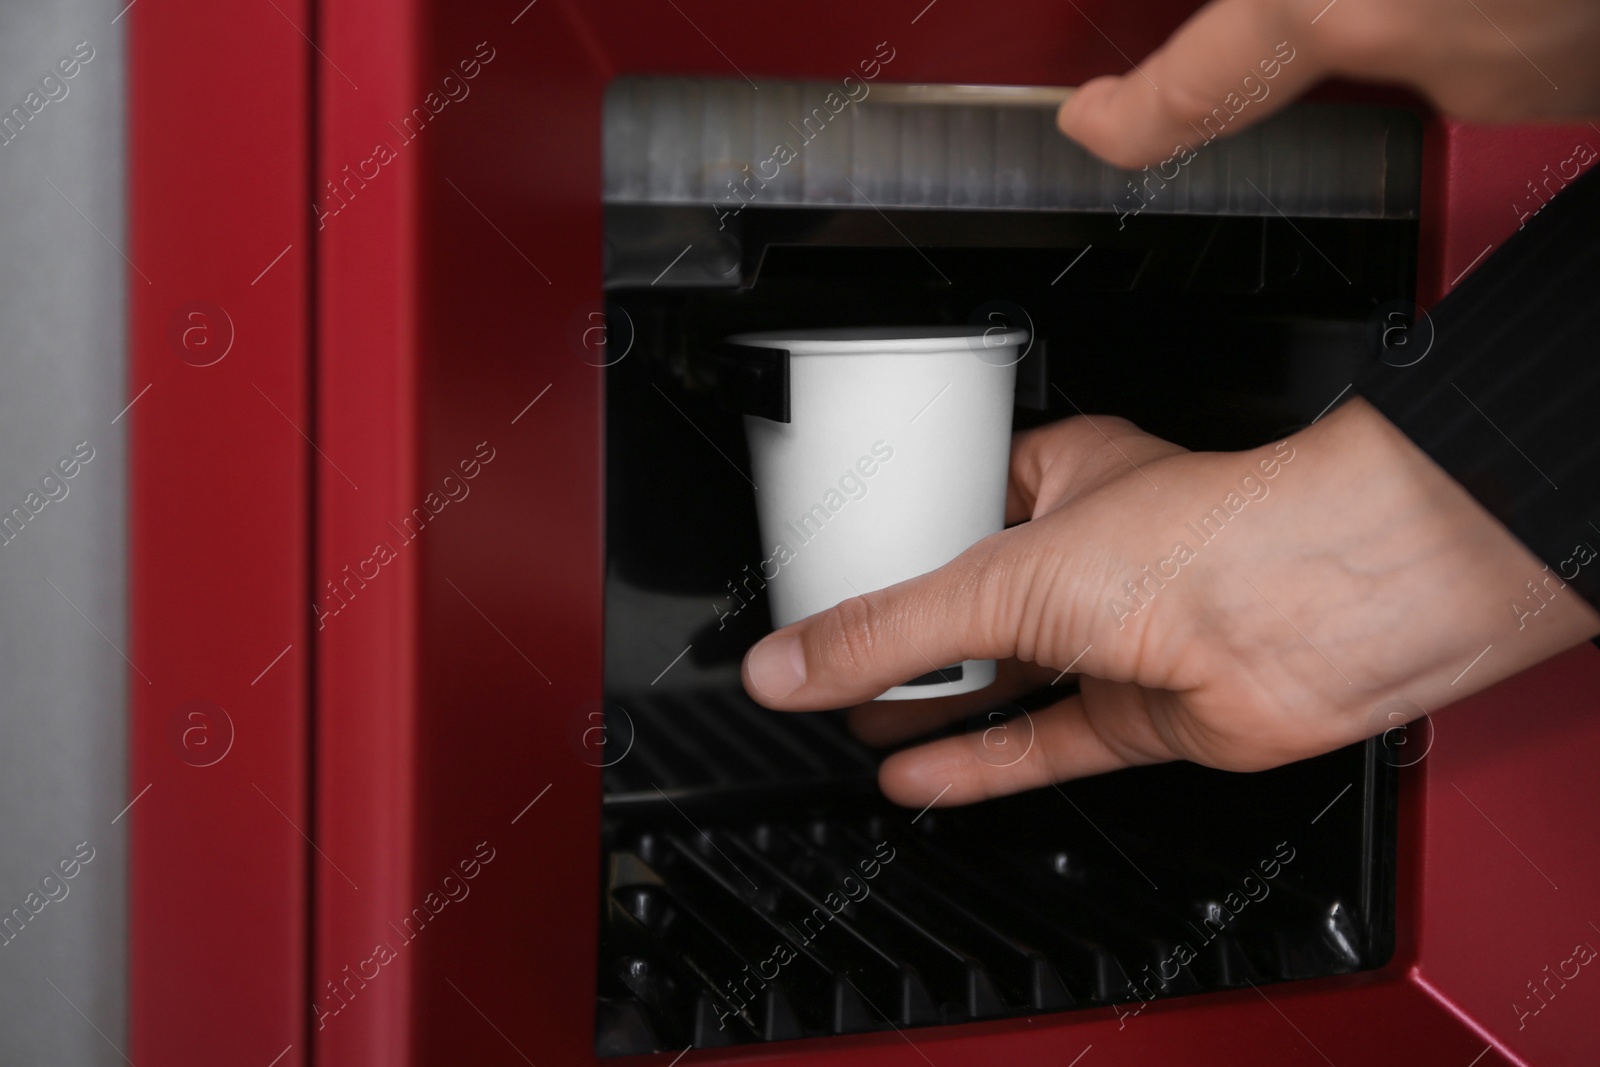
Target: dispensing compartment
755, 885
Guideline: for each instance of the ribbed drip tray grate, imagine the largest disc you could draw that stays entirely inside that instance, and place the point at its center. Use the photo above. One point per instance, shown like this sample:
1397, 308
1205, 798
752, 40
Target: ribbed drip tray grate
736, 917
721, 742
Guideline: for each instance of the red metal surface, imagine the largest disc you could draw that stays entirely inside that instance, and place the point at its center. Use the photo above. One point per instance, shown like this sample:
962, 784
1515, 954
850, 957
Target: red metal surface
371, 304
218, 531
446, 283
483, 235
1482, 183
1508, 885
497, 280
1511, 871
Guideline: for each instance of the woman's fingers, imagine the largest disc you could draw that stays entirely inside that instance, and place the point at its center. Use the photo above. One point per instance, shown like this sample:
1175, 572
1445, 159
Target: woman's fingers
890, 722
1233, 63
1055, 464
1028, 751
870, 643
983, 603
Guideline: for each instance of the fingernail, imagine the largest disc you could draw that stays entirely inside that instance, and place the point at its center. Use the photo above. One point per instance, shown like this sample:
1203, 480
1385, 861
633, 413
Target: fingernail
777, 666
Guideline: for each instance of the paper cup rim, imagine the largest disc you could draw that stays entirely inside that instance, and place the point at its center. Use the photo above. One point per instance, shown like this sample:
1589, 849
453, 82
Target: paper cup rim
863, 340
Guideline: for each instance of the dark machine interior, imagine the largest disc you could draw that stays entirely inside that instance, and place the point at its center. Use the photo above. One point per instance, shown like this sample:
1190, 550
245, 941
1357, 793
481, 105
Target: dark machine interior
727, 828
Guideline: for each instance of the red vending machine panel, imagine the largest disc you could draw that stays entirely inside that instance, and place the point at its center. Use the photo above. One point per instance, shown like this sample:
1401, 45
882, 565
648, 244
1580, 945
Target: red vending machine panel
369, 485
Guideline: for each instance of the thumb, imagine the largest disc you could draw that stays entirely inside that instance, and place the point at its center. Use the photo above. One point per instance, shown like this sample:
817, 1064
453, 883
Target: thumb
968, 609
1233, 63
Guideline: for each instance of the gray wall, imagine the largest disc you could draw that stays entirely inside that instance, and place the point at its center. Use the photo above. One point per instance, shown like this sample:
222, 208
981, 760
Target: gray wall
63, 748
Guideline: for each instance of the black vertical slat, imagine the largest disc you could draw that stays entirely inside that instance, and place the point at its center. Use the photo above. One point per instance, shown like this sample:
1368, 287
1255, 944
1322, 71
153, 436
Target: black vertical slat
876, 974
645, 968
1021, 969
695, 948
925, 934
1087, 965
745, 759
710, 741
833, 736
697, 763
749, 919
979, 915
659, 768
779, 733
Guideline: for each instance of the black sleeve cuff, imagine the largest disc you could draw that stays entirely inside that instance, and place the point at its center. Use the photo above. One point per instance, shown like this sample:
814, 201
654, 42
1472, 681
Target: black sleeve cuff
1507, 398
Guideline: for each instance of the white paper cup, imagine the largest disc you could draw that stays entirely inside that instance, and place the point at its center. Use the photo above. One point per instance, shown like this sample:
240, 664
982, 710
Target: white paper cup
894, 461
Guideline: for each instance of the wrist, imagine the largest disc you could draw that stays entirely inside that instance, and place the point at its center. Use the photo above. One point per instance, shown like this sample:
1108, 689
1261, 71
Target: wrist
1464, 574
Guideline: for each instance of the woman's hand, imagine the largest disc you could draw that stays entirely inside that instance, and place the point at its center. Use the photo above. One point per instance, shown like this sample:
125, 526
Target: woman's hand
1484, 60
1241, 610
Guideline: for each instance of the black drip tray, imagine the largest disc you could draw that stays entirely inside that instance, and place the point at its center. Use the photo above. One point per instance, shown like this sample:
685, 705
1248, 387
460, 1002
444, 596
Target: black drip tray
723, 745
739, 909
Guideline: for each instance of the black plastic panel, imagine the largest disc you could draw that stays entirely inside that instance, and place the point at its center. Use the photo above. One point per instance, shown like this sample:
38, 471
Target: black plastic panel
780, 898
726, 825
